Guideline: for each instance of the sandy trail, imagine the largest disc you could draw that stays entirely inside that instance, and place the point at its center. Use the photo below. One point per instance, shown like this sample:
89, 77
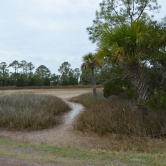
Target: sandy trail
64, 134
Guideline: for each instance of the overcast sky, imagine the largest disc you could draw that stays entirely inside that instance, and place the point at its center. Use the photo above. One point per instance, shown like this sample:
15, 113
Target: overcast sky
48, 32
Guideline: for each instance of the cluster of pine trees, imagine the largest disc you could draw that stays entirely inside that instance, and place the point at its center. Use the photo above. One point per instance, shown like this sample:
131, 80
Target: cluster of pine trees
25, 74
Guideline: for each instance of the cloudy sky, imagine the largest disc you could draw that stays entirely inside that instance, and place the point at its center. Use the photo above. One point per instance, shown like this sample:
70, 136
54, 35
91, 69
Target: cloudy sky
48, 32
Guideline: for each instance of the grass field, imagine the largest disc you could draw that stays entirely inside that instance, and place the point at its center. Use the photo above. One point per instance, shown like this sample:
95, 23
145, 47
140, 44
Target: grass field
69, 156
118, 115
30, 111
32, 148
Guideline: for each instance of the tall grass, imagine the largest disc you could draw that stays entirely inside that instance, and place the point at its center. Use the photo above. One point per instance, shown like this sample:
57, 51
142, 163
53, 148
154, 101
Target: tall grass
118, 115
30, 111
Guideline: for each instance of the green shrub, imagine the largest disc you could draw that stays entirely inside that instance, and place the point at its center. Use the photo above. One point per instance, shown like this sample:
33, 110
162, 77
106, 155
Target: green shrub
118, 86
156, 101
46, 81
118, 115
112, 87
30, 111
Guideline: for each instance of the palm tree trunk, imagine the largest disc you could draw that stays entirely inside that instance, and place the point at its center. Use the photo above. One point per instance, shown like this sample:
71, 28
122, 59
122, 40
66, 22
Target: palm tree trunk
139, 82
94, 84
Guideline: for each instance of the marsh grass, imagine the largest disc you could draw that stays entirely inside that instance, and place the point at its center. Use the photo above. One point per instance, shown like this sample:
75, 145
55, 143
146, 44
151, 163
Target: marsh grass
30, 111
118, 115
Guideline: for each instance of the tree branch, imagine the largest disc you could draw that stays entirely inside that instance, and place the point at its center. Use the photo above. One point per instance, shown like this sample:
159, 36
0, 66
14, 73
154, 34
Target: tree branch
144, 6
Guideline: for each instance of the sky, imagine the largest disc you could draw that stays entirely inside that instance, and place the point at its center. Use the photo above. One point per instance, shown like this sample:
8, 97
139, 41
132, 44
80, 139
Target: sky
48, 32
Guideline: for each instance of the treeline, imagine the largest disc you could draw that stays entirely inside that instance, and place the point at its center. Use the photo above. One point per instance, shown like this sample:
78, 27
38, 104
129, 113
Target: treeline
25, 74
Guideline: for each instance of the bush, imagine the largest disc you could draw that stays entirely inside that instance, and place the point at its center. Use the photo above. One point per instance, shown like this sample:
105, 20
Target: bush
118, 115
111, 88
156, 101
30, 111
118, 86
46, 81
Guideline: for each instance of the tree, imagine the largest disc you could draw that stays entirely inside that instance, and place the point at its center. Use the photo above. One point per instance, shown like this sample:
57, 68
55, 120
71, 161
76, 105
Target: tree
4, 72
118, 12
47, 81
65, 69
23, 65
55, 79
86, 77
76, 73
155, 47
125, 43
42, 72
74, 76
3, 67
23, 78
121, 29
30, 67
15, 64
90, 62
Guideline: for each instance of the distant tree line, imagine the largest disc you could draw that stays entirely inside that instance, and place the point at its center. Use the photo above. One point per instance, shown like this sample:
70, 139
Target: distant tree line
25, 74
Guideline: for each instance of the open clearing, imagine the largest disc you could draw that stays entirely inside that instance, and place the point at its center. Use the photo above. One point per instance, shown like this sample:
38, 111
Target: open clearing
63, 145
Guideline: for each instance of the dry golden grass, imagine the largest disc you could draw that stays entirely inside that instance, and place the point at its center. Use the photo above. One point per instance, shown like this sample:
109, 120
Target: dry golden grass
130, 136
118, 115
30, 111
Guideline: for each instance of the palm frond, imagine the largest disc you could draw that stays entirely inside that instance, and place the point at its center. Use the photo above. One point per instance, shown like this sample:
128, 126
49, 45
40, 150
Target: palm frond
90, 61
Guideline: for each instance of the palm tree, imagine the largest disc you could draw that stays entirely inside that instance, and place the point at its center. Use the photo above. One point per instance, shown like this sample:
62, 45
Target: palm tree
89, 61
122, 45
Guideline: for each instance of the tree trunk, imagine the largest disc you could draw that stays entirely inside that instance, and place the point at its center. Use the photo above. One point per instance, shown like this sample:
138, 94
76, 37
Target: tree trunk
140, 85
94, 84
139, 81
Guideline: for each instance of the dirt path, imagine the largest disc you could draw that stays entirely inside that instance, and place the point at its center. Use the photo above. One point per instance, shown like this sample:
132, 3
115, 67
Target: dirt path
64, 134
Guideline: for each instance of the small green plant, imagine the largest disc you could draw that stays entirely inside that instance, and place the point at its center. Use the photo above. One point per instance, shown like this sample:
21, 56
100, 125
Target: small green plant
30, 111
